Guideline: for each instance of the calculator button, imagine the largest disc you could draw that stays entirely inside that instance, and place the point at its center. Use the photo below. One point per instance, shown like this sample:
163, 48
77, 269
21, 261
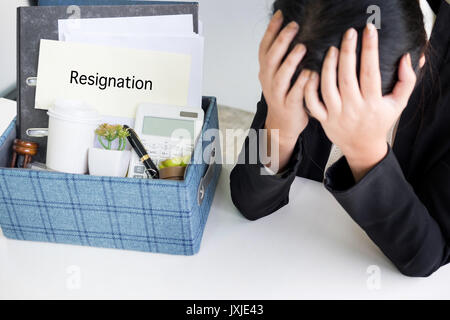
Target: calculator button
165, 154
139, 169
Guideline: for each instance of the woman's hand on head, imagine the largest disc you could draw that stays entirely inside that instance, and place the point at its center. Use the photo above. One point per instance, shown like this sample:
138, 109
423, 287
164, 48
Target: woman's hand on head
285, 112
355, 115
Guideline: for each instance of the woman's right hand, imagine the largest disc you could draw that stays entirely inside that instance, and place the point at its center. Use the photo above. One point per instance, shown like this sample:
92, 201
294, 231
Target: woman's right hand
286, 112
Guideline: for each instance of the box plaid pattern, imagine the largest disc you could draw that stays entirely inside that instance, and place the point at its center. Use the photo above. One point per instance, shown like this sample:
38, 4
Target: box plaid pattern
133, 214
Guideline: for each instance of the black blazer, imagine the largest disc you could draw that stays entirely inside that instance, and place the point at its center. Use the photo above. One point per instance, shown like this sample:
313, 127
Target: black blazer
403, 204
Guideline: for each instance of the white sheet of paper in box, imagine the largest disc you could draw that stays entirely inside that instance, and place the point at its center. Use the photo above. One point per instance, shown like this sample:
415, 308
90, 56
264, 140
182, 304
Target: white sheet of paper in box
155, 25
8, 111
191, 45
113, 80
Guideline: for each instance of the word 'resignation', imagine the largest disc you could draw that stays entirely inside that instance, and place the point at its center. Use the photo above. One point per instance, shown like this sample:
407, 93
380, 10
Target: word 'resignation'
103, 82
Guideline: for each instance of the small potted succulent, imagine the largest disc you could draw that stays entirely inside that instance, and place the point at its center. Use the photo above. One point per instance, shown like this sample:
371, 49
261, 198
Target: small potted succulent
111, 159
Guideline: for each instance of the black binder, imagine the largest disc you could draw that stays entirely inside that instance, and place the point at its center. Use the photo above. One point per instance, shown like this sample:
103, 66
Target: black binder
36, 23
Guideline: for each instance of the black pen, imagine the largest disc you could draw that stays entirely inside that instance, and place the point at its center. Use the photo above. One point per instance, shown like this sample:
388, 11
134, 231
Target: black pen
151, 169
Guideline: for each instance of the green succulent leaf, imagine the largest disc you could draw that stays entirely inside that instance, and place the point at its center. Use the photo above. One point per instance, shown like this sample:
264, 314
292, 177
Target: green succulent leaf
110, 133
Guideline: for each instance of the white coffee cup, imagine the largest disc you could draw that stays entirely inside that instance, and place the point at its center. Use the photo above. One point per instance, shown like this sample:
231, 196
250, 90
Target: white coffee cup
71, 132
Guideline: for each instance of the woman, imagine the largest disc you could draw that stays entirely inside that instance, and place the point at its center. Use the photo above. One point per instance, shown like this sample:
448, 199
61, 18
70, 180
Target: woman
338, 113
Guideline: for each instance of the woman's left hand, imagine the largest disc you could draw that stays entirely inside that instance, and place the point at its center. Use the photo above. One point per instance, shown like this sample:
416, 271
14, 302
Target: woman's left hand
355, 115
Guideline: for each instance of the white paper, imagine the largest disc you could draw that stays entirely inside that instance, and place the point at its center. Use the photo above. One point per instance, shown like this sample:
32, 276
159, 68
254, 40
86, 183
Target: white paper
8, 110
201, 28
191, 45
154, 25
113, 80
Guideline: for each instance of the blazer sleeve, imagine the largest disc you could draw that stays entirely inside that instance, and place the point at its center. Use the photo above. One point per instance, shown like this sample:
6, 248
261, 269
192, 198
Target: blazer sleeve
254, 192
410, 226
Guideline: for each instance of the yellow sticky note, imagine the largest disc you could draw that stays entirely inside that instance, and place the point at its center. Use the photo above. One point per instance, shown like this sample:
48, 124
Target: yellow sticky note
113, 80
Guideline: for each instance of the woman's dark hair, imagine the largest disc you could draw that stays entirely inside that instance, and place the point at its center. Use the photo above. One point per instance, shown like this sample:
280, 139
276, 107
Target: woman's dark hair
324, 22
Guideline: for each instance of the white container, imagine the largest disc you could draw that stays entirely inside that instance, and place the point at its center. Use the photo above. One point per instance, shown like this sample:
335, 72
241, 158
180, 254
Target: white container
71, 132
109, 163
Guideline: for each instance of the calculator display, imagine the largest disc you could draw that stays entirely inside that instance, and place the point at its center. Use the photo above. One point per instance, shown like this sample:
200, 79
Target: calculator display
163, 127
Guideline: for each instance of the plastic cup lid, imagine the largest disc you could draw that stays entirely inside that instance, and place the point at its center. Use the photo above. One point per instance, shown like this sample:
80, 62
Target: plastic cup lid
72, 110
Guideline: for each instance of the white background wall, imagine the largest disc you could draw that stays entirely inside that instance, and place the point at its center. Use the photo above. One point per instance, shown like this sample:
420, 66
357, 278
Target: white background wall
8, 44
233, 30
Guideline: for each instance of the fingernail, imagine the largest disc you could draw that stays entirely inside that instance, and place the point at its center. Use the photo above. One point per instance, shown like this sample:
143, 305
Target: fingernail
301, 48
372, 30
313, 75
293, 26
332, 52
278, 15
408, 59
306, 74
350, 34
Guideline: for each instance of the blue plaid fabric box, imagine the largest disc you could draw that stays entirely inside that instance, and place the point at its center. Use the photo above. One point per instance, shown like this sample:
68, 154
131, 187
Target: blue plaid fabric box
133, 214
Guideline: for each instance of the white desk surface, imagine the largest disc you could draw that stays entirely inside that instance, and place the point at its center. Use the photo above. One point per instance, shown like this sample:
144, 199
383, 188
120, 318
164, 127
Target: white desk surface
309, 249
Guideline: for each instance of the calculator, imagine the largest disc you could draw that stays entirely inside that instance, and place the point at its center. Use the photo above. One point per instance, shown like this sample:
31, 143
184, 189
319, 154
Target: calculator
166, 132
